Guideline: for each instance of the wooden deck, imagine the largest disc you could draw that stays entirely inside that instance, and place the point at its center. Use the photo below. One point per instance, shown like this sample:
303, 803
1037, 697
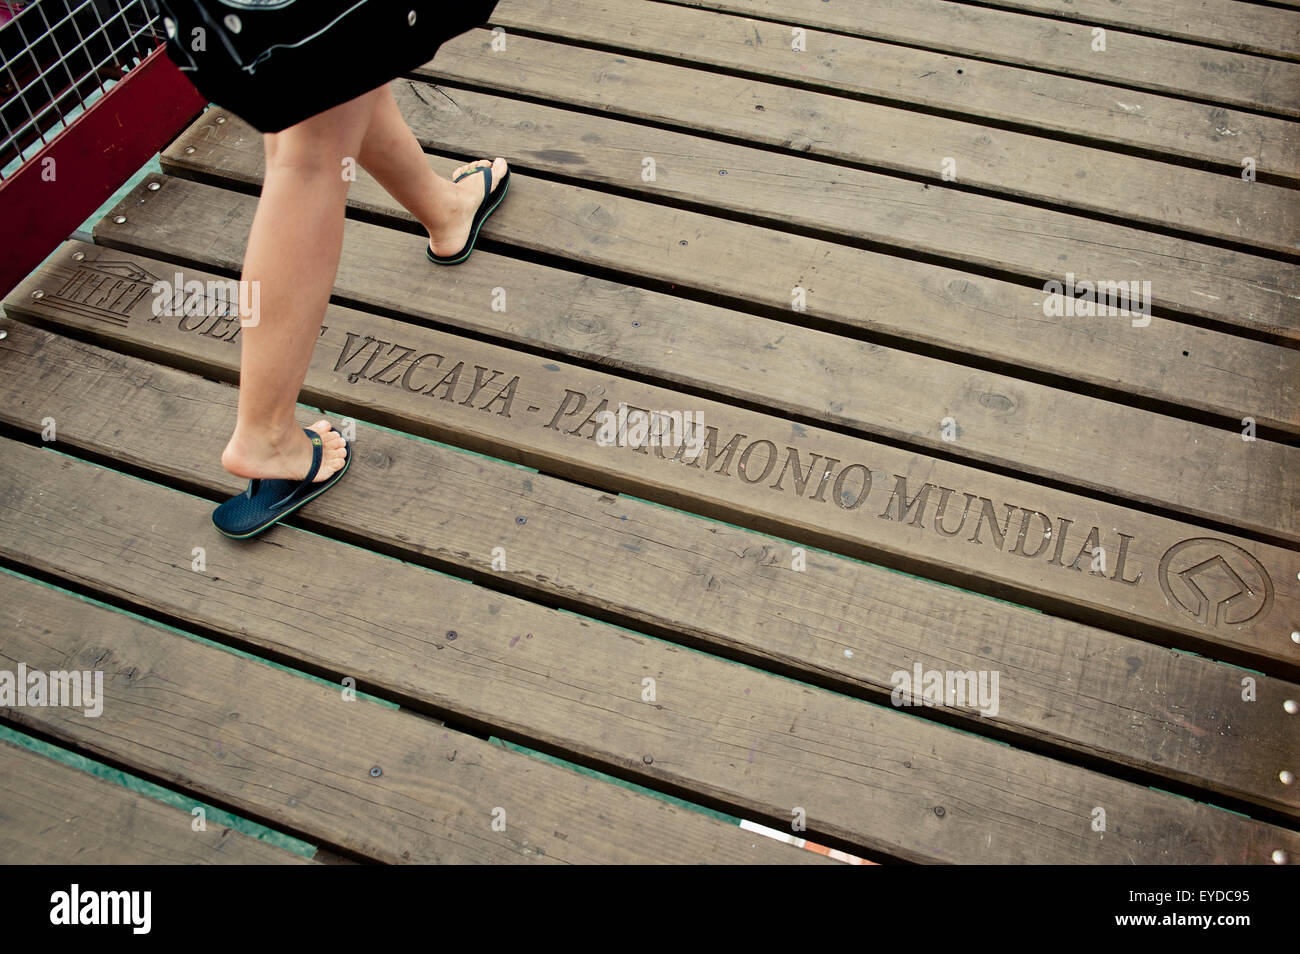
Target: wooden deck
912, 463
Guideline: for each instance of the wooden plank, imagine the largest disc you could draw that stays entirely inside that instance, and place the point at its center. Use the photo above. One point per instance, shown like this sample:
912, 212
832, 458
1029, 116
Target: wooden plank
1227, 23
962, 314
1215, 76
578, 687
964, 230
1176, 716
1011, 424
53, 814
535, 416
1145, 192
1040, 103
288, 749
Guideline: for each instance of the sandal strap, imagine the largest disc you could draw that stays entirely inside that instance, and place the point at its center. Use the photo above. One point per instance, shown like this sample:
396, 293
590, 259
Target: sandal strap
317, 454
487, 177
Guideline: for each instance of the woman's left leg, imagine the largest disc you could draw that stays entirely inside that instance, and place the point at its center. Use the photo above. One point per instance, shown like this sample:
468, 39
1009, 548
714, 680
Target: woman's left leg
293, 254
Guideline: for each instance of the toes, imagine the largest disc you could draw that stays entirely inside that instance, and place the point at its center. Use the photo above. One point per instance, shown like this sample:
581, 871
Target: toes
470, 167
328, 432
499, 167
333, 458
333, 448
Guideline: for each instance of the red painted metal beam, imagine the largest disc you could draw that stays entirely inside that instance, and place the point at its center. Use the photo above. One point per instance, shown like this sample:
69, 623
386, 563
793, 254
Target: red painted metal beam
41, 204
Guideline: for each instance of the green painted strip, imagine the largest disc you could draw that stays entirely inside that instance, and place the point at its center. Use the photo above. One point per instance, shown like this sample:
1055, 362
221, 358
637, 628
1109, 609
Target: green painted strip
156, 792
201, 639
831, 553
713, 520
592, 773
152, 167
677, 510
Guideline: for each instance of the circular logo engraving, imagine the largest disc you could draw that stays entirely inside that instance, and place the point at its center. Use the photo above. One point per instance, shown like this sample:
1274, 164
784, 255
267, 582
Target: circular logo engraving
1215, 582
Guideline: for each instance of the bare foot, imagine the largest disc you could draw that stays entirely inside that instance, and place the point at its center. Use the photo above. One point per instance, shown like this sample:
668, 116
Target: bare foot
451, 238
285, 458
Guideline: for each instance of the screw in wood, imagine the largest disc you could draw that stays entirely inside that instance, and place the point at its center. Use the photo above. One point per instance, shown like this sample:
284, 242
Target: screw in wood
1279, 857
154, 186
38, 294
119, 219
376, 772
1286, 777
78, 256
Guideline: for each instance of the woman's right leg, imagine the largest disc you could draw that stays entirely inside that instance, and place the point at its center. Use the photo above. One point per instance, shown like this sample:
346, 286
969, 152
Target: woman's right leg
391, 153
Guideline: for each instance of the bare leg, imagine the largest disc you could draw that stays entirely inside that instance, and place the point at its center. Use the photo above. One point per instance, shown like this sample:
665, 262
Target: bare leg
293, 252
391, 153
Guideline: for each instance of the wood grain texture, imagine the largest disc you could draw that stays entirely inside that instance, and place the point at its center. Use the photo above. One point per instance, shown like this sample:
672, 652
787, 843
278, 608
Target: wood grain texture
53, 814
1215, 76
866, 774
1082, 179
962, 313
841, 623
292, 751
1252, 28
1039, 103
879, 392
539, 412
965, 230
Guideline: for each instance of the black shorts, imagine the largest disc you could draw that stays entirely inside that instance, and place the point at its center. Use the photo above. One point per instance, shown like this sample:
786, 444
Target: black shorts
274, 63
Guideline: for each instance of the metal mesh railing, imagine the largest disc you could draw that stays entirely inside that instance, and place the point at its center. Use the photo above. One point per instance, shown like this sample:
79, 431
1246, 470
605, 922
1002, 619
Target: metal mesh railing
56, 58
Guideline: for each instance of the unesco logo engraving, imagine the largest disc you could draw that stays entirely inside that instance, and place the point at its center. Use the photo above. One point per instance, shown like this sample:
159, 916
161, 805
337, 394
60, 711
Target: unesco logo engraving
1215, 582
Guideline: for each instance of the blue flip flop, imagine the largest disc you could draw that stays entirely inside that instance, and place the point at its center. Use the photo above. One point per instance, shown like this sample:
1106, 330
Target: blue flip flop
485, 208
267, 502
